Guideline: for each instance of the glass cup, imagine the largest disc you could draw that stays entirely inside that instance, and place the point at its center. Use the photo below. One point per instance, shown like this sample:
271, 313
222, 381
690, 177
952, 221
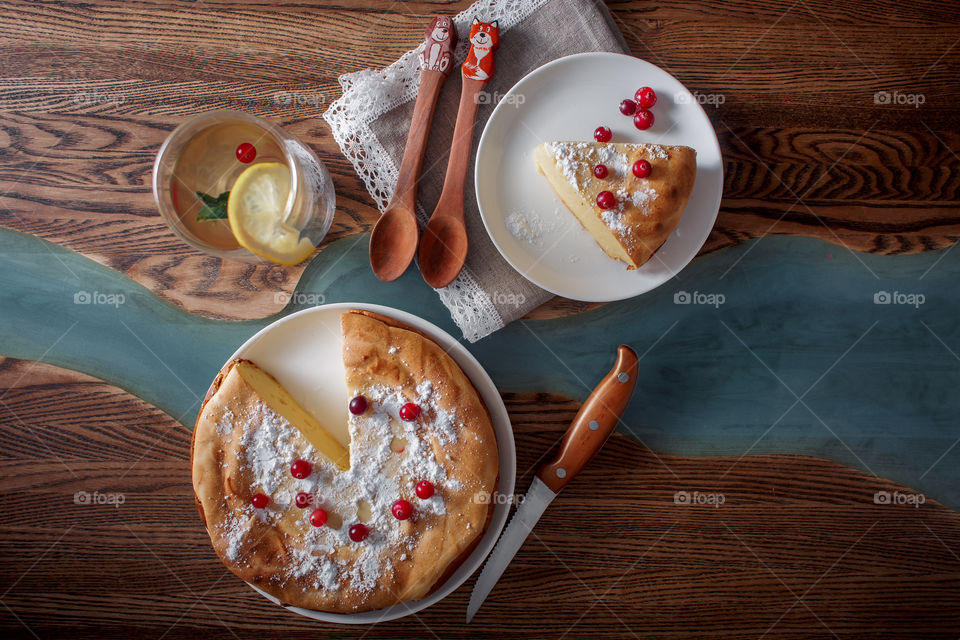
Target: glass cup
202, 158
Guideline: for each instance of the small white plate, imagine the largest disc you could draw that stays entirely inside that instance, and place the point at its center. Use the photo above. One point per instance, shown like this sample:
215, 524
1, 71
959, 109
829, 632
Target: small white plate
303, 351
566, 100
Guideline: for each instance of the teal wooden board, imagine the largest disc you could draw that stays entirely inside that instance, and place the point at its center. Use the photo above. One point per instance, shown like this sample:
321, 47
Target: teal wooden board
878, 383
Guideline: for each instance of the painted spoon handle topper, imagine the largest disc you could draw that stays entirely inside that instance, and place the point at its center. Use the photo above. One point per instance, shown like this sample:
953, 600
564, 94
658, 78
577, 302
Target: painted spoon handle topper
393, 241
443, 247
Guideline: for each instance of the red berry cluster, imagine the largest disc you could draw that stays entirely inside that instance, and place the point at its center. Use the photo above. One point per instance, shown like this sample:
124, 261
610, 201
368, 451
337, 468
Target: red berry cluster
402, 509
639, 107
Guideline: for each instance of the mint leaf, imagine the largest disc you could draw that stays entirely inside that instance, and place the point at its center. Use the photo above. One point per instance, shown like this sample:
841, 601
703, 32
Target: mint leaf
213, 208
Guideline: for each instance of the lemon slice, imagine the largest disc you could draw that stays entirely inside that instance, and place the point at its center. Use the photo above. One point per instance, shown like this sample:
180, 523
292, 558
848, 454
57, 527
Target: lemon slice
255, 210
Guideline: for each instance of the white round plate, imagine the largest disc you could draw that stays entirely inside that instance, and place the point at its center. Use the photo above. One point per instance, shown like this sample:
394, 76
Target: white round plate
303, 352
566, 100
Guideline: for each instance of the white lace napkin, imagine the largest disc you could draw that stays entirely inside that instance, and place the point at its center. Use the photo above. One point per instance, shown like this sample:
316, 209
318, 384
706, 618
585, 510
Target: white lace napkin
371, 119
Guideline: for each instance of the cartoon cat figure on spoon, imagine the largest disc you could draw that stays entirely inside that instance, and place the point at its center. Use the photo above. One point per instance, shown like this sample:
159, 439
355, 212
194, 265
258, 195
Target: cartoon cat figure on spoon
443, 247
393, 241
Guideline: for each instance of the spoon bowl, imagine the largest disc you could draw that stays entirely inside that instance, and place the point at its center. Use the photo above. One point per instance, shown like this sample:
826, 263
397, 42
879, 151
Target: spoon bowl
393, 243
442, 250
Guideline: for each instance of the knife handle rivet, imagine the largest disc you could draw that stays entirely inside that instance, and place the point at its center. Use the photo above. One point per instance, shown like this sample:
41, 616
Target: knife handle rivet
623, 377
561, 473
594, 425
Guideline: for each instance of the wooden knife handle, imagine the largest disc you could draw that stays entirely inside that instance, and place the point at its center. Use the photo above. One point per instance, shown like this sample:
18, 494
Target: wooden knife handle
595, 421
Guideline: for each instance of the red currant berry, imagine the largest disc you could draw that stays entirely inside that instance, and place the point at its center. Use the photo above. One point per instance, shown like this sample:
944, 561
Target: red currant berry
628, 107
402, 509
602, 134
300, 469
600, 171
246, 152
260, 500
643, 119
424, 489
359, 532
358, 405
641, 168
606, 200
409, 412
645, 97
303, 499
318, 518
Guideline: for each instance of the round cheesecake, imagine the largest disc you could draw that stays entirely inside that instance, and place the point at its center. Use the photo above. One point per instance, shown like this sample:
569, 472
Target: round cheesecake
347, 529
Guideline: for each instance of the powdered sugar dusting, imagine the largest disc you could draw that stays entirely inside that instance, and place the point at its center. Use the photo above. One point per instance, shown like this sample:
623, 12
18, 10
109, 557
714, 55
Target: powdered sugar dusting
525, 226
225, 423
615, 162
656, 151
388, 456
562, 153
613, 218
270, 447
577, 159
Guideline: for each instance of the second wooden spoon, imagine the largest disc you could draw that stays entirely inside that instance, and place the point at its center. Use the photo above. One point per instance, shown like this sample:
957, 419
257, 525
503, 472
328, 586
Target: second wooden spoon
443, 248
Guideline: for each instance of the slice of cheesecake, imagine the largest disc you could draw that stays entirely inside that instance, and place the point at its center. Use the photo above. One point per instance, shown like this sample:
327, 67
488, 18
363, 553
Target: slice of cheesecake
644, 211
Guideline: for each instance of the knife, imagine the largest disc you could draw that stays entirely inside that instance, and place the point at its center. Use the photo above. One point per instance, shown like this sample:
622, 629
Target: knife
590, 429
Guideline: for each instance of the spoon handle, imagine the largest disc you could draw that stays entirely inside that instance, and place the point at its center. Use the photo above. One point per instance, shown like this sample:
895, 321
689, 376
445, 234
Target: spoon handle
476, 70
436, 62
459, 160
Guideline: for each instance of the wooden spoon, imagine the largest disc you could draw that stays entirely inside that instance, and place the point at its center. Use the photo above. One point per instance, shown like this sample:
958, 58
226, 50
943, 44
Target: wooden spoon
444, 245
393, 241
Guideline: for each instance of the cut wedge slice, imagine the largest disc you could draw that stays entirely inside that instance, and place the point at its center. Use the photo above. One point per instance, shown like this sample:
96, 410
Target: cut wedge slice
256, 210
280, 400
646, 210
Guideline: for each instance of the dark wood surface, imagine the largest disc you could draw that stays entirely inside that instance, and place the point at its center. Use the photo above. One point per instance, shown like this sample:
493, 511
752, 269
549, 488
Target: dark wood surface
89, 91
798, 549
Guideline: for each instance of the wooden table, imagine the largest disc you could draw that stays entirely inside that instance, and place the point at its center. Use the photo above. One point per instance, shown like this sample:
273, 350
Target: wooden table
88, 93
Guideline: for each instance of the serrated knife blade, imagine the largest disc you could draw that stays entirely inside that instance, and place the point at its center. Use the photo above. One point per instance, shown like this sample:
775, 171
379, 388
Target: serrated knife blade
589, 430
535, 502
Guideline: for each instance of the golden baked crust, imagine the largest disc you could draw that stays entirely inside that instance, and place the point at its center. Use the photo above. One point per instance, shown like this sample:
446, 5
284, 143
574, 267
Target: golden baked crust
241, 447
648, 209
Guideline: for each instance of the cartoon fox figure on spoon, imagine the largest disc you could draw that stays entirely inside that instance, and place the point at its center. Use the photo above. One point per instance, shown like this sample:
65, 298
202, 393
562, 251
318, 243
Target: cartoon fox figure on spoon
484, 40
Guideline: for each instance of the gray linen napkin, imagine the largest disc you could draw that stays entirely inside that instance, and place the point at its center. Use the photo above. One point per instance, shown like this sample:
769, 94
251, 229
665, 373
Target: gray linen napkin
489, 293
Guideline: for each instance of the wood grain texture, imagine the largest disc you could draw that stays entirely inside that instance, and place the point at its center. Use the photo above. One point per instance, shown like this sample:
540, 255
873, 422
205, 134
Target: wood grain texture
798, 549
89, 91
